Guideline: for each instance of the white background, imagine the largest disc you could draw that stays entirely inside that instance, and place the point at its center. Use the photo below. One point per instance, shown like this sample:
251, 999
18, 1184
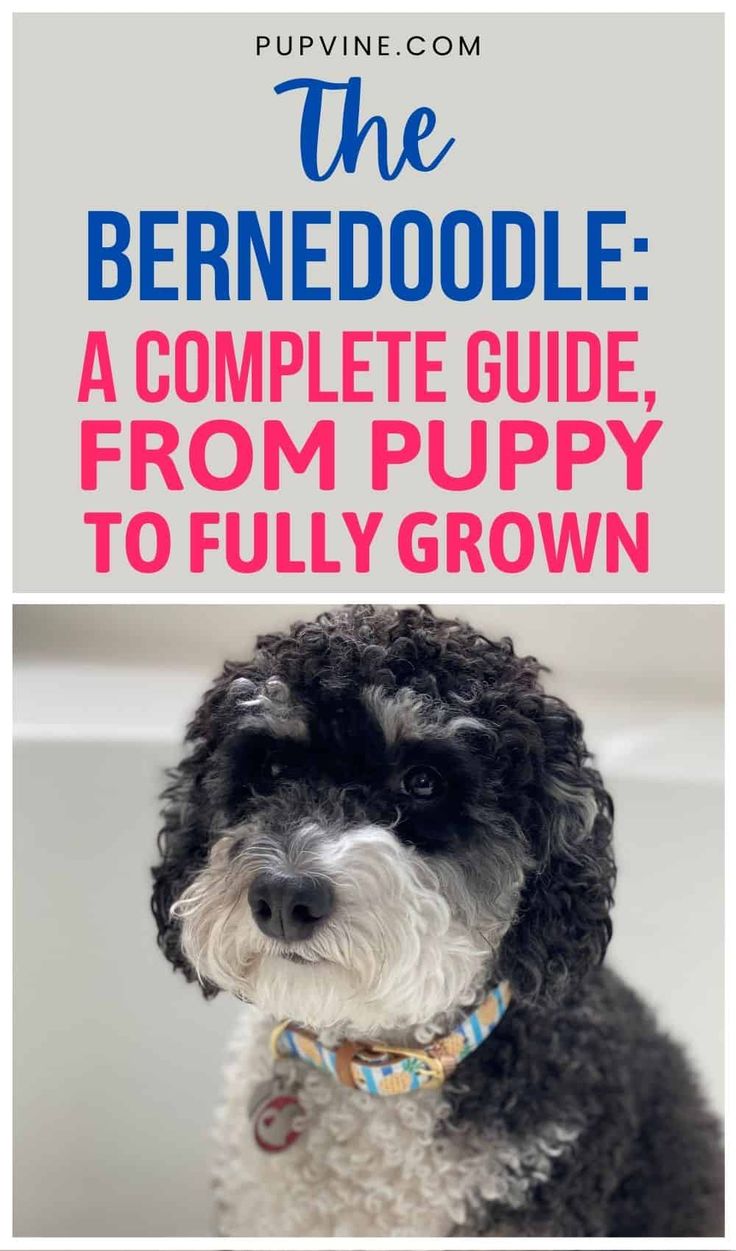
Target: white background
561, 111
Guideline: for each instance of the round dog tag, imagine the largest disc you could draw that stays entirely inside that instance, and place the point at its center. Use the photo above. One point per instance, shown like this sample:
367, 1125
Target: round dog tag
274, 1122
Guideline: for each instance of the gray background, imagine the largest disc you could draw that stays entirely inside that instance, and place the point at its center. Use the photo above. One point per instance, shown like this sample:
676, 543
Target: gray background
117, 1059
565, 111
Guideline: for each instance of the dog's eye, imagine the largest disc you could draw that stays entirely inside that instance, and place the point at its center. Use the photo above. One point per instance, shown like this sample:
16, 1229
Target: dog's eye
422, 782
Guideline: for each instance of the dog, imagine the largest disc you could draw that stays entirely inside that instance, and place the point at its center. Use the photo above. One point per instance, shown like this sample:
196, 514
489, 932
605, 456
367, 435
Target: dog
390, 842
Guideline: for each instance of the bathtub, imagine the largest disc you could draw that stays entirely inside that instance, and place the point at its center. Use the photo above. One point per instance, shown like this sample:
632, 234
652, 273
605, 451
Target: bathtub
117, 1059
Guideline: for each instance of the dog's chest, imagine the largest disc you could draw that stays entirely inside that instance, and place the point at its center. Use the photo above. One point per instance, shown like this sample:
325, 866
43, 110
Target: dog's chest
361, 1165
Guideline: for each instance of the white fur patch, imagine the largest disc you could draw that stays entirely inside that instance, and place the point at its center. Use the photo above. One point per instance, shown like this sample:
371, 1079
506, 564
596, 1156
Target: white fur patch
268, 705
406, 716
404, 944
363, 1166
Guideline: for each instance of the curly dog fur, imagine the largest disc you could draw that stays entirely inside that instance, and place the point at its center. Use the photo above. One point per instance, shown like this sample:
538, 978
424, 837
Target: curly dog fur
444, 808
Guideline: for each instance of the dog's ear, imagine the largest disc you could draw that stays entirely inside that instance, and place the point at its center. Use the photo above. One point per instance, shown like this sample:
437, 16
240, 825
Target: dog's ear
563, 924
184, 838
182, 844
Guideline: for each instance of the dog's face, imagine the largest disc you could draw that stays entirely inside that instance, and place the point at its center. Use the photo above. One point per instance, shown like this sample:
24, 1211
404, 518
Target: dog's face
381, 814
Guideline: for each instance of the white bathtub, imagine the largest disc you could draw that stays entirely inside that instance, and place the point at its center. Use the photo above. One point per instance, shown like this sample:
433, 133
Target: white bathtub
117, 1059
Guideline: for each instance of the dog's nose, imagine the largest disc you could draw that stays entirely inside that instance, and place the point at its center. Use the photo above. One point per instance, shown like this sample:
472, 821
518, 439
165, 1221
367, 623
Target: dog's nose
289, 907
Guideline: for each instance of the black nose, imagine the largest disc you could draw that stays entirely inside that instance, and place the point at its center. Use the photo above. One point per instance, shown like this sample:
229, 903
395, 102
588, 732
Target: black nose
289, 907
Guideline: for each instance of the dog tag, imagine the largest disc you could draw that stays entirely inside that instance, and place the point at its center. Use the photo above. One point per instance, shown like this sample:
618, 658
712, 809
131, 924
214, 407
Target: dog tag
275, 1122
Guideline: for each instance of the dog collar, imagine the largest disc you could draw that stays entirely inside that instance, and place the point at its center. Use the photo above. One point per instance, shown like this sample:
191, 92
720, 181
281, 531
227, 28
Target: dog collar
381, 1070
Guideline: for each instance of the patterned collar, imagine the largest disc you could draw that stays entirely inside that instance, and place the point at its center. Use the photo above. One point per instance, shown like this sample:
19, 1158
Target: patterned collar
381, 1070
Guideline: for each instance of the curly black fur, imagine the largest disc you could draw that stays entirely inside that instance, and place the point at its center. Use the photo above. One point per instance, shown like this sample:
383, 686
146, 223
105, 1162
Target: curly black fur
576, 1047
648, 1161
564, 923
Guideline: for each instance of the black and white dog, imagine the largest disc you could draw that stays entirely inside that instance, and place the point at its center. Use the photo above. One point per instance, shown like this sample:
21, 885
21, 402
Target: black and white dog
386, 833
